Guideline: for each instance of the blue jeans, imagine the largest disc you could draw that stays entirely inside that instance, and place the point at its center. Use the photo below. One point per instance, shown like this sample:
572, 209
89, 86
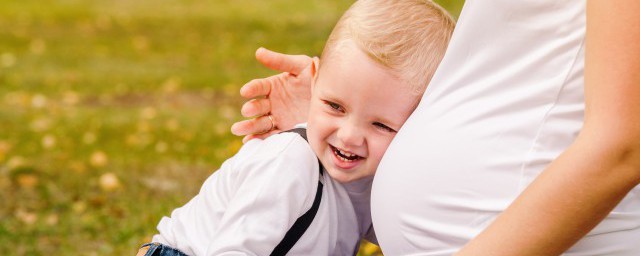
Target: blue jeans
158, 249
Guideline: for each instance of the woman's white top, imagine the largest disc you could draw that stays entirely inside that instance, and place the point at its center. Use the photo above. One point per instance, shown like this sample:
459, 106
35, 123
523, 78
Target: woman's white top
247, 206
506, 100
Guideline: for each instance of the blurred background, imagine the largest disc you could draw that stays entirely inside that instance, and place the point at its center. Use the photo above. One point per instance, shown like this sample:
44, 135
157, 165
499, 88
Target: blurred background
112, 113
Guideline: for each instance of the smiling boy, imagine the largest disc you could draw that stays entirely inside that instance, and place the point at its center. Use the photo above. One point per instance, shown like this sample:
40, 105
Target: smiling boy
376, 65
357, 106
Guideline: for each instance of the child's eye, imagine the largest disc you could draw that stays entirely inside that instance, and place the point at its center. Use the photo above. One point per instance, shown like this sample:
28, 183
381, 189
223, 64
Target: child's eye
333, 106
383, 127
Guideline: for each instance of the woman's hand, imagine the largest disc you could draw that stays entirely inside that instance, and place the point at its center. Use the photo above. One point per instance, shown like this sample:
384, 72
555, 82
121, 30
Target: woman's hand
285, 96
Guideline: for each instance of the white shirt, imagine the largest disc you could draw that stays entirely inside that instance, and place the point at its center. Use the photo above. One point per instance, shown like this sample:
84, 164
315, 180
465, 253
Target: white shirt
506, 100
247, 206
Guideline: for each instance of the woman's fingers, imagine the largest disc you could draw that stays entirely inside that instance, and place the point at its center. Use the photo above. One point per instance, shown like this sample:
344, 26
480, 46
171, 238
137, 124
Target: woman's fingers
256, 107
258, 125
277, 88
293, 64
259, 136
258, 87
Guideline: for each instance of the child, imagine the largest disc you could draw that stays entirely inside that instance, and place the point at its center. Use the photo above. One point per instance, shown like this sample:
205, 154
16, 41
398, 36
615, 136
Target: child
373, 73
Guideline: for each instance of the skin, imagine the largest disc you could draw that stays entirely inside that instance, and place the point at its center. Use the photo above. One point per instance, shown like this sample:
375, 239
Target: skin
289, 93
295, 80
603, 164
355, 113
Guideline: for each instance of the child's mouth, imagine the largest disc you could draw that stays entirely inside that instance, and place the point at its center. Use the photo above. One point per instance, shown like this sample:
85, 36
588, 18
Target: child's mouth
344, 155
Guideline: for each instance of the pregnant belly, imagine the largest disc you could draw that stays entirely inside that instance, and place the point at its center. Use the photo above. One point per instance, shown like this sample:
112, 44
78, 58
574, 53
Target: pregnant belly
436, 192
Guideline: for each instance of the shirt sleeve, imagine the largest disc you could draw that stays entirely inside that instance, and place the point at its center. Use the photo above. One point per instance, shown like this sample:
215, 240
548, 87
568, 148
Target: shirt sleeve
191, 227
274, 183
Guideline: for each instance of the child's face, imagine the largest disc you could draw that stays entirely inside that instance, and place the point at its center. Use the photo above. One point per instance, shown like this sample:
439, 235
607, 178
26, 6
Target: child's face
357, 106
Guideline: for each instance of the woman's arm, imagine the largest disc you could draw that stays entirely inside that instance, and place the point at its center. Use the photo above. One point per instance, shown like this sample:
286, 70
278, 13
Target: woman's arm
590, 178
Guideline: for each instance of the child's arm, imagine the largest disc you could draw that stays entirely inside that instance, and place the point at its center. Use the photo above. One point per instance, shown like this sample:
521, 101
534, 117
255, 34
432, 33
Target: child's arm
271, 191
586, 182
248, 205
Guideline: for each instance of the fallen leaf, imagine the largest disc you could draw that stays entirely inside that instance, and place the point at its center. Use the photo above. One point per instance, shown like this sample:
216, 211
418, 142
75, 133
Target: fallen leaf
98, 159
26, 217
48, 141
109, 182
28, 181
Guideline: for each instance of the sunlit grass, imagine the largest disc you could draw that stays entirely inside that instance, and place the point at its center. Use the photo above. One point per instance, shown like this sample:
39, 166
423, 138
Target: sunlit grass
112, 113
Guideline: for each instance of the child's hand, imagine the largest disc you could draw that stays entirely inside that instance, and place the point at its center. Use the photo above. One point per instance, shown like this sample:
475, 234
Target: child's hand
285, 96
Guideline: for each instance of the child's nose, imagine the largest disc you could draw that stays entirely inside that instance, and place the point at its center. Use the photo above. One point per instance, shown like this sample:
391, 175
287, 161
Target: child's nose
351, 135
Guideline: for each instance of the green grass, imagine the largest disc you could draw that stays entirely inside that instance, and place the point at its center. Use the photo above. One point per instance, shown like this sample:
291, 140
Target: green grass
112, 113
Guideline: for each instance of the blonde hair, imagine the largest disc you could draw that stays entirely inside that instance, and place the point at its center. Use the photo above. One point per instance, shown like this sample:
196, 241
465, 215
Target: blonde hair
409, 37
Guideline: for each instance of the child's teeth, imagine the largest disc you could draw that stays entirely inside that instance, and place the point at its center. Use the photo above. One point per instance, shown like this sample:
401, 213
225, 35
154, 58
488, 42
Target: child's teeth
346, 154
344, 159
